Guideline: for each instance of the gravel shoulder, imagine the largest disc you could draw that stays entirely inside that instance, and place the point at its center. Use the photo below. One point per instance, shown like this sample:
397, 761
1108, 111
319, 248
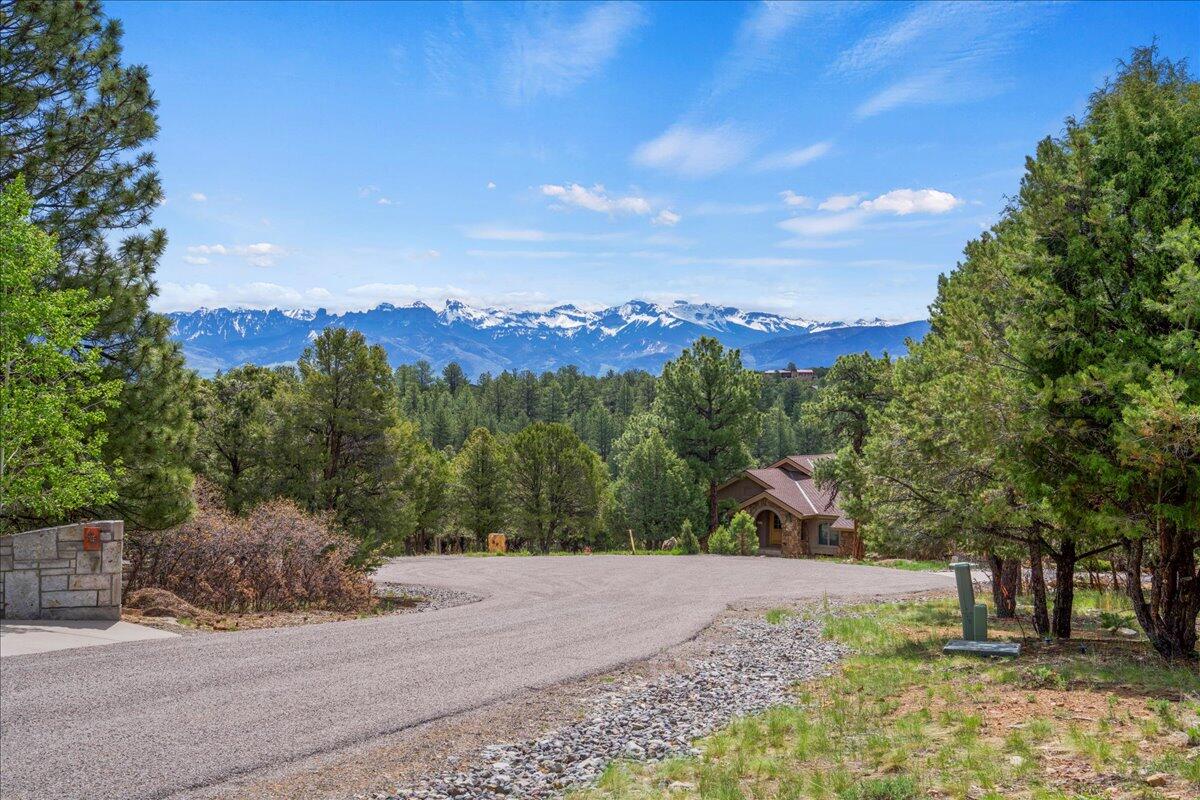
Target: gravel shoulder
205, 716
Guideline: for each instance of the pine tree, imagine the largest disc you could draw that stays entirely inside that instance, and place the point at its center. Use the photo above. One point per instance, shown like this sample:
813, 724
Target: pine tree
656, 491
74, 121
481, 490
707, 400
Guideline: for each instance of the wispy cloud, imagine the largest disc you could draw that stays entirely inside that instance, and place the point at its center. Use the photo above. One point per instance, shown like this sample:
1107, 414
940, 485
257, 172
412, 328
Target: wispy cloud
794, 200
259, 254
793, 159
550, 55
695, 152
666, 218
938, 53
595, 199
839, 202
199, 197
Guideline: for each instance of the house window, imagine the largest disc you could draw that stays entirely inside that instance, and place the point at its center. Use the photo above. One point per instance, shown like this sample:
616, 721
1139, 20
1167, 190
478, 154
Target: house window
827, 536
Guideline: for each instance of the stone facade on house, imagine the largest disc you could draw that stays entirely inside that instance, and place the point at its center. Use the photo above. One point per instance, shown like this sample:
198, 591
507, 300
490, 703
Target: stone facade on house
67, 572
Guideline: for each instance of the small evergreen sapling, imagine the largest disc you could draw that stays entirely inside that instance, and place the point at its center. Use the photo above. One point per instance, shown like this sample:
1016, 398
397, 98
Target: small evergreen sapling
722, 543
689, 545
744, 533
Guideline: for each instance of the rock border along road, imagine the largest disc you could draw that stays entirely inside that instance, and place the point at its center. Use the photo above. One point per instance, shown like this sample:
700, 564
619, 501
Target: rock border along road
180, 718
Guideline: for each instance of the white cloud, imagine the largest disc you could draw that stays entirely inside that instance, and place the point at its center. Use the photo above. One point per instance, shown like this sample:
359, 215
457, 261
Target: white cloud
849, 212
794, 200
839, 202
694, 152
384, 201
824, 224
491, 184
195, 259
913, 201
259, 254
596, 199
549, 55
793, 159
199, 197
666, 217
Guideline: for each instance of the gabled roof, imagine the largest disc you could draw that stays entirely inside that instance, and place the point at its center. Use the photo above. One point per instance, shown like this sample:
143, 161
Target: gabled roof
800, 494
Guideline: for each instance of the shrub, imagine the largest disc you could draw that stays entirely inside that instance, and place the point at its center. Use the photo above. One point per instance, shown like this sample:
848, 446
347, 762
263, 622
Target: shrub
744, 533
722, 543
689, 545
276, 557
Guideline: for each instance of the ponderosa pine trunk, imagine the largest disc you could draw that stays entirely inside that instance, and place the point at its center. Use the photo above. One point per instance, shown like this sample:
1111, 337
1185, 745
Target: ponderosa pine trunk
1169, 617
1064, 587
1037, 588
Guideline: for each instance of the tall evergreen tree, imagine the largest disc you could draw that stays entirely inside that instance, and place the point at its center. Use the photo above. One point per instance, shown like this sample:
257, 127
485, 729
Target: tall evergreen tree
480, 495
75, 121
1105, 248
656, 492
707, 400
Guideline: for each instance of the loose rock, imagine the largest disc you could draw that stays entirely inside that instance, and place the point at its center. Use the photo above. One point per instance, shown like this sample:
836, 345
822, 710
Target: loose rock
750, 671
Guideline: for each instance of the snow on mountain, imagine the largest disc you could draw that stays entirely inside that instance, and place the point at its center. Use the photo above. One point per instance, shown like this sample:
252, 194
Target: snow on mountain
634, 335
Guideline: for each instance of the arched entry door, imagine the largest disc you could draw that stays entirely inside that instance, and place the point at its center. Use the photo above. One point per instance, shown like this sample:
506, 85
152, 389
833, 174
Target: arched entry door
770, 529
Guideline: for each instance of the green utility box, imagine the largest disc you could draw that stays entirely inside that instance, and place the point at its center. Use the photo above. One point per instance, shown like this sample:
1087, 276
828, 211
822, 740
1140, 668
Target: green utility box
974, 640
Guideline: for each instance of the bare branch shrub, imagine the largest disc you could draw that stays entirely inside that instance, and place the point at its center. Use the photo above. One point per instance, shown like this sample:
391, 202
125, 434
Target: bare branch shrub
276, 557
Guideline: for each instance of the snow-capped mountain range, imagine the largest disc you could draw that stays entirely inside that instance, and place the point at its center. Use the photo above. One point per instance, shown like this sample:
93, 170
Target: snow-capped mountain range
634, 335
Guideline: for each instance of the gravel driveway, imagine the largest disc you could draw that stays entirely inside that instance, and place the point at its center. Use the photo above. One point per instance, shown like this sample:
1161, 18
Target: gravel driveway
187, 717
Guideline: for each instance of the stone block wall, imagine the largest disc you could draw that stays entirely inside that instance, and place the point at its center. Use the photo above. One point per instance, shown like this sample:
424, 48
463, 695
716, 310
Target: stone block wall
52, 574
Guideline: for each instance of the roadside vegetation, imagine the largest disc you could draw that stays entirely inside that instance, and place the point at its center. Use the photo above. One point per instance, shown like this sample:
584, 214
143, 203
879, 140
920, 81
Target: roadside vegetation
1100, 717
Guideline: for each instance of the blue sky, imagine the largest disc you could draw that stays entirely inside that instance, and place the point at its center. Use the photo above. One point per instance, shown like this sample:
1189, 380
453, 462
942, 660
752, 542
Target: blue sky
819, 160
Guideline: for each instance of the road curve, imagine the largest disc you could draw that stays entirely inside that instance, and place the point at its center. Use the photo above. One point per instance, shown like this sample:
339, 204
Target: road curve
175, 718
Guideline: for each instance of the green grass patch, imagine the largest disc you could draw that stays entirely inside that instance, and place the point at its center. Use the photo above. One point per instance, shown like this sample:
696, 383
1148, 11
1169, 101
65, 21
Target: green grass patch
900, 721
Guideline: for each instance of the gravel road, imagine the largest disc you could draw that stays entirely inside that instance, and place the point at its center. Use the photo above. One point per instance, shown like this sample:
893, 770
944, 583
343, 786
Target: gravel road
188, 717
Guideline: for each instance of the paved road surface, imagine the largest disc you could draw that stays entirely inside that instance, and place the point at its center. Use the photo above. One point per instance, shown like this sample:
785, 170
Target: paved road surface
167, 719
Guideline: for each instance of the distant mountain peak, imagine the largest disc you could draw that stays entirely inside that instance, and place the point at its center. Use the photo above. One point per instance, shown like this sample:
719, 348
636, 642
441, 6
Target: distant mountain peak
638, 334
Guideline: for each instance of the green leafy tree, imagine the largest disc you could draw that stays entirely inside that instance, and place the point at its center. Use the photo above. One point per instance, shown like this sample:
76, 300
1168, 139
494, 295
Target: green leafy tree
75, 121
52, 403
706, 399
481, 488
234, 433
558, 486
656, 492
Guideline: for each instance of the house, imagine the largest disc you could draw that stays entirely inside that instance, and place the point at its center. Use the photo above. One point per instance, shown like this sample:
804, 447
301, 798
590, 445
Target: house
793, 373
794, 516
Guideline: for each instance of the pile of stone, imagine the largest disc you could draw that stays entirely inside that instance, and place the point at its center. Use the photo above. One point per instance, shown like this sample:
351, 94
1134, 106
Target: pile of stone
751, 669
429, 598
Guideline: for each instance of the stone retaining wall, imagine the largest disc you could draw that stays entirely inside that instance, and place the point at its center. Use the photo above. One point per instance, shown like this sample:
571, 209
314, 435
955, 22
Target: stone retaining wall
68, 572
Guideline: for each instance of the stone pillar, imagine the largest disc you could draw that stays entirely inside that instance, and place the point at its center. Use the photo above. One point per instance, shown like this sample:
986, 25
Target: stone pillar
793, 541
68, 572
